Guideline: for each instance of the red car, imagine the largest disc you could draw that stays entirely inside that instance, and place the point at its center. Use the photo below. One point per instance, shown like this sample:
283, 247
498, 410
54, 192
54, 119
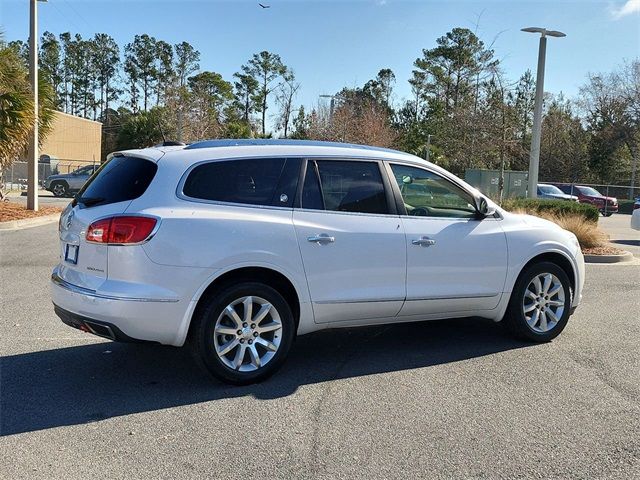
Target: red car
593, 197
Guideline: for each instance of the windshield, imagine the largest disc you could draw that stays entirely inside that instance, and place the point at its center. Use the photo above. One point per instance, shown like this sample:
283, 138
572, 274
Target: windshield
550, 189
590, 191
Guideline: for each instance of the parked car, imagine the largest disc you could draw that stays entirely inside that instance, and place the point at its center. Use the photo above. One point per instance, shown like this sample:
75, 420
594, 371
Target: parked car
65, 184
635, 215
606, 205
551, 192
235, 247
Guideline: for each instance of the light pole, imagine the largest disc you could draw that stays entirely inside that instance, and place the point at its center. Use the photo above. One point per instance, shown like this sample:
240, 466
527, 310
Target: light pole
534, 155
332, 104
427, 153
32, 156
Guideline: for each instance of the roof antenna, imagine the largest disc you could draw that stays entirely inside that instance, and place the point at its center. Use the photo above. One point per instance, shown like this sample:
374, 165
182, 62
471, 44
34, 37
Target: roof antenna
165, 142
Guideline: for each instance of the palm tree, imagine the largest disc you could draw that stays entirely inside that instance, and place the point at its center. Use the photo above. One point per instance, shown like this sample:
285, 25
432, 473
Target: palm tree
16, 105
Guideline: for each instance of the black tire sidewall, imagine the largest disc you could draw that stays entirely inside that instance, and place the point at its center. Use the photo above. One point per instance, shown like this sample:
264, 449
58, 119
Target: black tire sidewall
515, 316
204, 332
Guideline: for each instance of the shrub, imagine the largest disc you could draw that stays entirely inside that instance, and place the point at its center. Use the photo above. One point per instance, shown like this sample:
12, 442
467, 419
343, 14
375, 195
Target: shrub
557, 208
588, 234
626, 206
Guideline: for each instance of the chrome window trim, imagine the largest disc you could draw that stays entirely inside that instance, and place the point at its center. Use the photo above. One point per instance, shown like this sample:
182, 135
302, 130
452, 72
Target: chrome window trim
183, 178
359, 214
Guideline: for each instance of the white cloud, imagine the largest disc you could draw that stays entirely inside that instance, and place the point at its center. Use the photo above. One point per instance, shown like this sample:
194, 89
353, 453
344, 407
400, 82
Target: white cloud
630, 6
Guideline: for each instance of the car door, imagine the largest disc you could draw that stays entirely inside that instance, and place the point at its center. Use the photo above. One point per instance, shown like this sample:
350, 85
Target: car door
351, 241
456, 262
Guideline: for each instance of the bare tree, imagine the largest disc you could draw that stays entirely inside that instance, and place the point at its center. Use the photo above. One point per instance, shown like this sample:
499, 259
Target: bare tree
286, 94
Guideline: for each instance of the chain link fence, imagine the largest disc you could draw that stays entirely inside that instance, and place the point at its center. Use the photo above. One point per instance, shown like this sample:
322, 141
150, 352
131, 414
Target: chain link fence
14, 177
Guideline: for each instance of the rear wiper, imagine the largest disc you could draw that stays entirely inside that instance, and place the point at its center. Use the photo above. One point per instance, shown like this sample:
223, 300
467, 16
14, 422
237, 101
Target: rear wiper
88, 201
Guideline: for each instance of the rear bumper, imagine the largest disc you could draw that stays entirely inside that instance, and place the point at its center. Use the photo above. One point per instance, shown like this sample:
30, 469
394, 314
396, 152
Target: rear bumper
119, 318
96, 327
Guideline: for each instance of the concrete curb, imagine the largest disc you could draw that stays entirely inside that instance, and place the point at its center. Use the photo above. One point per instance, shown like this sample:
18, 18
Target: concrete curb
625, 257
29, 222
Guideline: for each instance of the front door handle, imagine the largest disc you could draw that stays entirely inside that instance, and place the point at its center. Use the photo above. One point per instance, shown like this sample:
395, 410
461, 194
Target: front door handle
423, 242
321, 238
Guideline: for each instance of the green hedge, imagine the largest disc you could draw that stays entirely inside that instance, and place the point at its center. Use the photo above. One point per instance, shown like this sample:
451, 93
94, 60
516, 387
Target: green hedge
558, 207
626, 206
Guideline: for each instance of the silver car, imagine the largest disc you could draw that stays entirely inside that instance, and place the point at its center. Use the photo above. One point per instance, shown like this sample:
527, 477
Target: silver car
65, 184
551, 192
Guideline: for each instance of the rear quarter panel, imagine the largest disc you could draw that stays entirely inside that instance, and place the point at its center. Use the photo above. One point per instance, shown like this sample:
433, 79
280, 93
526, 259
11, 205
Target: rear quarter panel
217, 238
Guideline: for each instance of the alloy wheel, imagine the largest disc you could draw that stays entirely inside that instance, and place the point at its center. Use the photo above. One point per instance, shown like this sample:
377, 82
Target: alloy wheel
544, 302
59, 190
247, 334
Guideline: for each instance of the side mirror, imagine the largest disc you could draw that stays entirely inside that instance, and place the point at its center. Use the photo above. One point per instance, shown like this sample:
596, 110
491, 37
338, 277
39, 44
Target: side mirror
483, 208
407, 180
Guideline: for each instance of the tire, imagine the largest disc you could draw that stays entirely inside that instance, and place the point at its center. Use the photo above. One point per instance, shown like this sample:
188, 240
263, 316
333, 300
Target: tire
214, 329
539, 328
60, 189
608, 214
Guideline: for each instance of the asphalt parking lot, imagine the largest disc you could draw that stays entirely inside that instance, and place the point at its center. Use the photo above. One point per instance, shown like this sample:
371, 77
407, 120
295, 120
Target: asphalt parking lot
445, 399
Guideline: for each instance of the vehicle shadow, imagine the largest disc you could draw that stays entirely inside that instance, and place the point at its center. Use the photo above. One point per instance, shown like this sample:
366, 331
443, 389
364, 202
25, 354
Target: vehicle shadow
635, 243
82, 384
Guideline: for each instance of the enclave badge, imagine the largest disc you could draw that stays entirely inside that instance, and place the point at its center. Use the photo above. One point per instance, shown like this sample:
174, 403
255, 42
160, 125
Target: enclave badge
69, 218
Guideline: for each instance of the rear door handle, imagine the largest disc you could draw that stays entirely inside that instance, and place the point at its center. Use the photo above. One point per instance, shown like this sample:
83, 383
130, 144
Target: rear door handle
321, 238
423, 242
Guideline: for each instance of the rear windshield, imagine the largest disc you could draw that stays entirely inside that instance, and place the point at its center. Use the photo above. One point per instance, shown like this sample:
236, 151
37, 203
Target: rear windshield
118, 180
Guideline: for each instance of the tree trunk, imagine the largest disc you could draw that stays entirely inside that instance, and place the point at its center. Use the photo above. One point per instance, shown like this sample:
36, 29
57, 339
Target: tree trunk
633, 147
106, 100
146, 86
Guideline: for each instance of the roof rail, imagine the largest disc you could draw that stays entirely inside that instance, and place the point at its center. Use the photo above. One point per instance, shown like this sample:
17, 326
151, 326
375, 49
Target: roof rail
280, 142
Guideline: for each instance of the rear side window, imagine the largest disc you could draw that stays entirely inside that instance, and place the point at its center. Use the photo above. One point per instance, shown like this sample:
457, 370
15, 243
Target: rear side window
352, 187
118, 180
255, 181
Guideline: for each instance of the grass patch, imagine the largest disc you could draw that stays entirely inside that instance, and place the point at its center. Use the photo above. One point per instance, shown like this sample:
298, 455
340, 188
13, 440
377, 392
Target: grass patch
10, 211
578, 218
559, 208
588, 233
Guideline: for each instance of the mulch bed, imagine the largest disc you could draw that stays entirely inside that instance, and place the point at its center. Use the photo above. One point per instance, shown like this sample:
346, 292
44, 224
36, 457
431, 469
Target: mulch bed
604, 250
15, 211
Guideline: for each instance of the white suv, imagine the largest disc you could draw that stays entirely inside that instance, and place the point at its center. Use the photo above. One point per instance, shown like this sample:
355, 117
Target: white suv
234, 247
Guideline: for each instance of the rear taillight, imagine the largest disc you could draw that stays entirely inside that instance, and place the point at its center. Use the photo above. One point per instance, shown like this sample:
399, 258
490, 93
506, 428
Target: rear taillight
121, 230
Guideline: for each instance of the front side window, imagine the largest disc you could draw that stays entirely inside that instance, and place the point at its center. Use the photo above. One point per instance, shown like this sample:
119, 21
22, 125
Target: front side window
345, 186
255, 181
427, 194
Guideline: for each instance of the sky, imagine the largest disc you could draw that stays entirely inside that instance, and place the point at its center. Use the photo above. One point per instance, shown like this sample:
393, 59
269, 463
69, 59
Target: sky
333, 44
